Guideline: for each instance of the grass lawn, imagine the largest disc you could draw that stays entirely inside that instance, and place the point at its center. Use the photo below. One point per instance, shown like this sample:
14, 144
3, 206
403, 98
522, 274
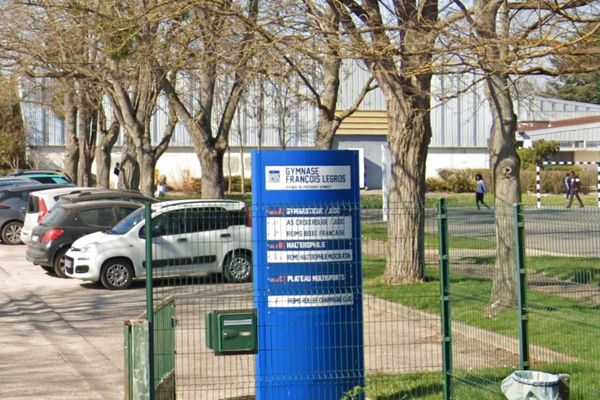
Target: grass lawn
462, 200
379, 232
467, 200
565, 325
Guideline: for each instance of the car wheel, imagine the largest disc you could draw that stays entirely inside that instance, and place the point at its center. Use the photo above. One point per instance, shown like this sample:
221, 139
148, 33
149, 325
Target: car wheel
238, 267
116, 274
11, 233
59, 263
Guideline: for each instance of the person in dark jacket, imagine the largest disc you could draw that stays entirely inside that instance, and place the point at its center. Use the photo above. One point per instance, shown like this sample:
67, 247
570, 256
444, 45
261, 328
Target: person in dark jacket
566, 181
574, 184
480, 190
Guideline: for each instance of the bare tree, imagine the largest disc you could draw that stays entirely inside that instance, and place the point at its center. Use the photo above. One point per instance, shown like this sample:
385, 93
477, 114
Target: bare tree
314, 54
12, 132
101, 46
505, 40
69, 112
107, 137
397, 44
221, 68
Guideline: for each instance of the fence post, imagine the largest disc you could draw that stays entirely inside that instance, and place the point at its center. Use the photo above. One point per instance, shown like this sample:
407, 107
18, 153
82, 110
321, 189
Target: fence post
149, 296
445, 298
538, 186
521, 278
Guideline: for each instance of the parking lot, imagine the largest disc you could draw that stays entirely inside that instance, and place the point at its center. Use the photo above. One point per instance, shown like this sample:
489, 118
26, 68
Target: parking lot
60, 338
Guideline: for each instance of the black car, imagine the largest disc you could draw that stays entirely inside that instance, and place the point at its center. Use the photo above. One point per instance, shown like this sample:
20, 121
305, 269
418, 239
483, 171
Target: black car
104, 194
14, 201
67, 223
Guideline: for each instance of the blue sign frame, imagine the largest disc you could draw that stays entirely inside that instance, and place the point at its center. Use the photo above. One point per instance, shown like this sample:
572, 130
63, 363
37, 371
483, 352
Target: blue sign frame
307, 274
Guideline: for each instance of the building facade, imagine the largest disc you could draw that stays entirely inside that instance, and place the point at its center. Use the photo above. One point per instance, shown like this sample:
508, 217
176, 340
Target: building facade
268, 118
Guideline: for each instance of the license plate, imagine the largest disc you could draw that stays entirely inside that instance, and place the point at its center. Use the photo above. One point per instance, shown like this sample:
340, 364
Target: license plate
34, 238
68, 263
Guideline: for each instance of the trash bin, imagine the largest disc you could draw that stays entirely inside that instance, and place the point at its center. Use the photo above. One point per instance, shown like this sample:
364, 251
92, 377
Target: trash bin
530, 385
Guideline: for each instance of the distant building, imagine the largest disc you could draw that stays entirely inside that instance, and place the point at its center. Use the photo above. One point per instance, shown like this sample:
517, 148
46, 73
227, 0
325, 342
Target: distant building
579, 138
461, 122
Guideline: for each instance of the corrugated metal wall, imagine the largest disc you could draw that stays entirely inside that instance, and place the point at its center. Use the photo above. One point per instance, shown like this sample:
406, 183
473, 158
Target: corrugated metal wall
271, 116
539, 108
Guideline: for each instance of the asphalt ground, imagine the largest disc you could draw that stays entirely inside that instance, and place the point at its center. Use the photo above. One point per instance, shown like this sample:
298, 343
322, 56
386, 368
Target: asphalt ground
59, 338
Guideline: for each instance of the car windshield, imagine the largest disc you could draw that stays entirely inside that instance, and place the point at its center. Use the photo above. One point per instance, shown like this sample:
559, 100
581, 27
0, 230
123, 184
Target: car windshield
128, 222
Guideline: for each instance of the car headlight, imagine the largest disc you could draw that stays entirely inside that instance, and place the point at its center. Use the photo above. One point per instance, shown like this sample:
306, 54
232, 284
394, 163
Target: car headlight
89, 246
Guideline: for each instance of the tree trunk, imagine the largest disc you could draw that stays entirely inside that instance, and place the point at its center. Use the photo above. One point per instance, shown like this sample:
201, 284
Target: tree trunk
87, 143
129, 178
409, 136
71, 159
242, 168
108, 138
325, 132
211, 162
505, 168
327, 126
147, 163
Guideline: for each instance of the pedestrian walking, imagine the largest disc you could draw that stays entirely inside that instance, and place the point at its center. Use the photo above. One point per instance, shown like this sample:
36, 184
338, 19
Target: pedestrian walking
117, 172
574, 183
566, 181
480, 191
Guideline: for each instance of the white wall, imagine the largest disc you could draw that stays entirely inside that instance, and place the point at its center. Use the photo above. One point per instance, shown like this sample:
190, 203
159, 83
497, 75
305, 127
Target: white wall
455, 159
176, 161
589, 156
173, 164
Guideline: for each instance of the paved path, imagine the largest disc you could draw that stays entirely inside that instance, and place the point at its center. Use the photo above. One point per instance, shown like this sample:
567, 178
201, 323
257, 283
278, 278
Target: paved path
62, 340
59, 339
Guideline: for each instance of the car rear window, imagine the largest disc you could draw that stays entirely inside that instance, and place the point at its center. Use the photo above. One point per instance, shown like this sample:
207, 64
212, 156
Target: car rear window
33, 206
101, 216
44, 179
55, 217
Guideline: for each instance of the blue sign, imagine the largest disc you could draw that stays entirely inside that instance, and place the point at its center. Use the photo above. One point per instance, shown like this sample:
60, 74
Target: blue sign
307, 274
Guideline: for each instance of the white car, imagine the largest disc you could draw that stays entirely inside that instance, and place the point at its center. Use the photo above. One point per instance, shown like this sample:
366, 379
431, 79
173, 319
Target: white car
40, 203
189, 237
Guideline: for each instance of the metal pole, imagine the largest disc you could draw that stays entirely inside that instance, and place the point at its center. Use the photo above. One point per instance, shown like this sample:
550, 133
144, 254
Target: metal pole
445, 298
598, 183
519, 226
538, 186
149, 298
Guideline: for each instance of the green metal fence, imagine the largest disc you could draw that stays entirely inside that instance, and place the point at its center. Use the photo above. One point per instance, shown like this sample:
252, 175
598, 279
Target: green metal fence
553, 322
138, 359
164, 350
420, 342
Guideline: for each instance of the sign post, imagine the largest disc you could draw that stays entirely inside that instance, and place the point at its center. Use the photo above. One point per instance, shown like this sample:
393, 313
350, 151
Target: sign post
307, 274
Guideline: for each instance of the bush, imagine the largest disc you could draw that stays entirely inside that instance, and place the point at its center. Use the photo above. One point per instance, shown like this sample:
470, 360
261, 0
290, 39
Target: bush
552, 180
456, 180
463, 180
185, 182
236, 184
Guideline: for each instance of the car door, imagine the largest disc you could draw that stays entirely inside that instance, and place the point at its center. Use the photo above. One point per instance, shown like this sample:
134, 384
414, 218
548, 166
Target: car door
170, 244
207, 228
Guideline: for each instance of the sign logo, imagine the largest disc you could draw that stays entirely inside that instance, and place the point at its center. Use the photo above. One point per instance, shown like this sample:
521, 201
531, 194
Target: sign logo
274, 176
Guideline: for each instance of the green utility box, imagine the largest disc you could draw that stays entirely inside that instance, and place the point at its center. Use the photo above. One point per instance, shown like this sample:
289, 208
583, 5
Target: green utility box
231, 331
